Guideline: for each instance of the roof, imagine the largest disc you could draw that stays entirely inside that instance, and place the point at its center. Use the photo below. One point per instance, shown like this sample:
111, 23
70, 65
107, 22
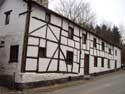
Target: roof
95, 34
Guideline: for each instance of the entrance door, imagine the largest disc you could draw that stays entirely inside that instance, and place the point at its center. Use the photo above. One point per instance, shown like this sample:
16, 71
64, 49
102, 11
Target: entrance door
86, 64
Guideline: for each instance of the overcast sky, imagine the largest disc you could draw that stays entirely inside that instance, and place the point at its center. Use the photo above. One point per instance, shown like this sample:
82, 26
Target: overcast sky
111, 11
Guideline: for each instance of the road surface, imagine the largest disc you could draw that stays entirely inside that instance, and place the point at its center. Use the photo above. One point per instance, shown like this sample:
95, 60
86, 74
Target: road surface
111, 84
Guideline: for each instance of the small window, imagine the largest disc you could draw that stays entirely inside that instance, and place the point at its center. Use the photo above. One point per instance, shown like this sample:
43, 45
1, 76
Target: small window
94, 42
115, 52
102, 64
7, 17
108, 63
14, 53
70, 33
48, 18
103, 46
69, 57
95, 61
84, 38
109, 50
42, 52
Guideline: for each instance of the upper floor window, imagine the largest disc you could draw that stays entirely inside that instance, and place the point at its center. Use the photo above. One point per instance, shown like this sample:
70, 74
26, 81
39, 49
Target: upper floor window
42, 52
70, 32
94, 42
48, 17
7, 17
95, 61
116, 52
69, 57
103, 46
14, 53
84, 38
110, 50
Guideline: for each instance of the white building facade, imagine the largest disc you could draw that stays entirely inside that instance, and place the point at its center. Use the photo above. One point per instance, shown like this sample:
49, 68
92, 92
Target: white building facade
39, 45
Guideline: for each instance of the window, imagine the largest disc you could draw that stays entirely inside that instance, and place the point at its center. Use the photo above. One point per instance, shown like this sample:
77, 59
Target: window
84, 38
109, 50
69, 57
14, 53
95, 61
115, 52
7, 17
102, 64
70, 33
108, 63
94, 42
42, 52
48, 18
115, 64
103, 46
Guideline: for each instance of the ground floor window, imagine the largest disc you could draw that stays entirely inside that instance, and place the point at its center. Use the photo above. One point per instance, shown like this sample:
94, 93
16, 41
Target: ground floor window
14, 53
42, 52
109, 63
102, 63
95, 61
69, 57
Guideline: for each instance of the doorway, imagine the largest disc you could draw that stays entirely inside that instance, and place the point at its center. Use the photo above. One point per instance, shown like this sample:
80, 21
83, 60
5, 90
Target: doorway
86, 64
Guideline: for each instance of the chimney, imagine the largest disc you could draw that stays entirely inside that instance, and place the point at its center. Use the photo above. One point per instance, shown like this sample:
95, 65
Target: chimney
42, 2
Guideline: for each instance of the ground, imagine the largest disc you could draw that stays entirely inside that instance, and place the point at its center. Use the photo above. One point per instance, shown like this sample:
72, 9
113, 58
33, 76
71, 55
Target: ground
112, 83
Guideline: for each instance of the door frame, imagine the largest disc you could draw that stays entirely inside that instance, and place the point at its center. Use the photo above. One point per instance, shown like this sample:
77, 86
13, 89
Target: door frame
86, 64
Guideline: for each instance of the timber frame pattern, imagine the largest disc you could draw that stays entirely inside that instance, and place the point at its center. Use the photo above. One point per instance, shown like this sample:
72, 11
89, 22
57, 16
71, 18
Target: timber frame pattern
48, 28
57, 35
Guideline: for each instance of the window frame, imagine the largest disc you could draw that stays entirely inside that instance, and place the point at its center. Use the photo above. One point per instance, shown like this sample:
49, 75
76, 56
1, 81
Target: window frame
95, 61
102, 62
103, 46
7, 17
110, 51
84, 38
48, 17
115, 52
69, 57
70, 32
42, 52
109, 66
14, 55
95, 42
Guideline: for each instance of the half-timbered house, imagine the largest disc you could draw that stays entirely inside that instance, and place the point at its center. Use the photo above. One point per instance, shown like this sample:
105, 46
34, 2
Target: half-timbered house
38, 45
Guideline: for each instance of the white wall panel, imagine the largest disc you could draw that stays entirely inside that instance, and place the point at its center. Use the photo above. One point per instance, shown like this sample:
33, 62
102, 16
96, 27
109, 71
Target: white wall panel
32, 51
40, 33
51, 47
55, 20
33, 41
31, 64
43, 64
53, 65
42, 43
63, 66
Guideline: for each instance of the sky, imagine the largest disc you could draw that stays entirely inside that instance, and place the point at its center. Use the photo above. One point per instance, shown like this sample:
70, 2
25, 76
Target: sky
109, 11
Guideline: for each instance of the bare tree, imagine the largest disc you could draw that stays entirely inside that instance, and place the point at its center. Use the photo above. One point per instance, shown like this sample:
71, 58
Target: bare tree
76, 10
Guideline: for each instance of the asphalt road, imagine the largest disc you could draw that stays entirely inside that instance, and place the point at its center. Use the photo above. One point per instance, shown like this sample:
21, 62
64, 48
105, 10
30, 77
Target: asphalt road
111, 84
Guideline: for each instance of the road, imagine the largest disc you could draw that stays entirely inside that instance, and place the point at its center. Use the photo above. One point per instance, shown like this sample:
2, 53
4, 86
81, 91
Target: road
111, 84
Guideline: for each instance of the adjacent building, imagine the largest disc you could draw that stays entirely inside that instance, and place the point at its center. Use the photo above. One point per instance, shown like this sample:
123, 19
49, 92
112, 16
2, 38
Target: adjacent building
38, 45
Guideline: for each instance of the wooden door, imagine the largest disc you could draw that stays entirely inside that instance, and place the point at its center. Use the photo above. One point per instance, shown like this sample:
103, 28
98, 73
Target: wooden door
86, 64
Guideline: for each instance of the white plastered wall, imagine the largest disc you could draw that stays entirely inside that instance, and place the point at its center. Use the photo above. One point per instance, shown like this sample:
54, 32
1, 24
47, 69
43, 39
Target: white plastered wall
12, 34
